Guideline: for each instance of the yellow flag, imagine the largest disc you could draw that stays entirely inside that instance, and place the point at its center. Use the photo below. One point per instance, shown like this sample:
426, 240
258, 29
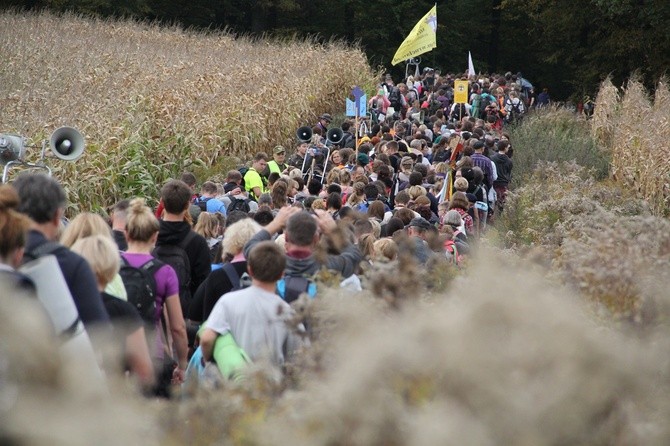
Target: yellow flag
420, 40
461, 92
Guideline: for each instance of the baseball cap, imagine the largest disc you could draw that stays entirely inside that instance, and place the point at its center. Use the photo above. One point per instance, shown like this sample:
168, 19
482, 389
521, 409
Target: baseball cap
326, 117
279, 149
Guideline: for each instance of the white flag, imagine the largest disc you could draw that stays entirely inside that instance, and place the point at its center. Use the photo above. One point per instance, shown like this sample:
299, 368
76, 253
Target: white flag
471, 66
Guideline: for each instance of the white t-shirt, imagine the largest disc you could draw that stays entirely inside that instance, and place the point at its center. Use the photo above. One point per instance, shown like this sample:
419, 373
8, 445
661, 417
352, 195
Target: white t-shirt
257, 320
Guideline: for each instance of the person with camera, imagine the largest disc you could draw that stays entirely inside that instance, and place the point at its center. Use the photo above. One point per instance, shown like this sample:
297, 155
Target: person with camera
378, 105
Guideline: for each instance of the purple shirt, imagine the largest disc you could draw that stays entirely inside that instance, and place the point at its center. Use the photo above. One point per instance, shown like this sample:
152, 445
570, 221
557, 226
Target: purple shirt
167, 284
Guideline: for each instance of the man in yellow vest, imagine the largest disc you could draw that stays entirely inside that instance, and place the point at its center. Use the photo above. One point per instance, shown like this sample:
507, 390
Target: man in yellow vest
254, 183
278, 163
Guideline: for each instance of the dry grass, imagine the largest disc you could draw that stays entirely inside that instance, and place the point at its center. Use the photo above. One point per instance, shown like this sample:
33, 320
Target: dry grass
635, 129
153, 101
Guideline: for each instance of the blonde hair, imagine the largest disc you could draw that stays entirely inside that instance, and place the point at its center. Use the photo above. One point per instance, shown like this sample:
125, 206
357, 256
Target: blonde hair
83, 225
141, 223
386, 248
416, 192
461, 184
208, 225
102, 254
238, 234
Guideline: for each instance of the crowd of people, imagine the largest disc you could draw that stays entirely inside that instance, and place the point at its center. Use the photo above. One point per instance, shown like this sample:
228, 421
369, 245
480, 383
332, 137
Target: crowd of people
220, 263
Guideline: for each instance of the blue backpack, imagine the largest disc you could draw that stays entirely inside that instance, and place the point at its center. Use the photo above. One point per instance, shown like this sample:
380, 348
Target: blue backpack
290, 288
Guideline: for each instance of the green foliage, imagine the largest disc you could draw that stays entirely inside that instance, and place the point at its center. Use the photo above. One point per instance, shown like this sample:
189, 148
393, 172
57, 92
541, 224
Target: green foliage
555, 135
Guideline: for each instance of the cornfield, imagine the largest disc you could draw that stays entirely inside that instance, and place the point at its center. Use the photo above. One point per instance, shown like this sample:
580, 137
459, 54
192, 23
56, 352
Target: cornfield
635, 129
152, 101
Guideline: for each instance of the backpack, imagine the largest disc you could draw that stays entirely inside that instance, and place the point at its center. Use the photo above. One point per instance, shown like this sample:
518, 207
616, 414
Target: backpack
238, 282
290, 288
202, 203
394, 98
243, 171
239, 204
177, 258
484, 101
459, 112
515, 113
140, 285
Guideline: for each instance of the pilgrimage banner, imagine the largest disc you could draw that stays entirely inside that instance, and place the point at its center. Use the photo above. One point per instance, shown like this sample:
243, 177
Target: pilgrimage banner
460, 92
420, 40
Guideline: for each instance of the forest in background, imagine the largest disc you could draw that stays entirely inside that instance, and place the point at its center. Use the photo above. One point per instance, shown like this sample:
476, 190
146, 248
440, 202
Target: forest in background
568, 46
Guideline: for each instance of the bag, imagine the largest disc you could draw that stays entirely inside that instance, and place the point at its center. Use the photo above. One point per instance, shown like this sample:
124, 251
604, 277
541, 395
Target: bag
202, 204
290, 288
515, 115
459, 112
394, 98
239, 204
238, 282
177, 258
140, 285
243, 171
484, 101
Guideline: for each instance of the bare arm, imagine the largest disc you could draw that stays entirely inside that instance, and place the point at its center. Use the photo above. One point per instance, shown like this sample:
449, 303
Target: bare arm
177, 329
207, 340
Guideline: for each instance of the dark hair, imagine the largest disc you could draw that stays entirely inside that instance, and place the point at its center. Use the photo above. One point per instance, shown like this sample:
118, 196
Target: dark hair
235, 216
404, 214
362, 226
176, 196
334, 201
261, 156
314, 187
209, 187
301, 228
334, 188
393, 225
371, 192
266, 262
376, 210
415, 179
40, 196
188, 178
345, 126
263, 216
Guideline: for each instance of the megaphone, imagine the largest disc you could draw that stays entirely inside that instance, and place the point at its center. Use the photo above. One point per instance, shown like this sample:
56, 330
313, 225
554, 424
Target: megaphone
67, 143
304, 134
334, 136
12, 148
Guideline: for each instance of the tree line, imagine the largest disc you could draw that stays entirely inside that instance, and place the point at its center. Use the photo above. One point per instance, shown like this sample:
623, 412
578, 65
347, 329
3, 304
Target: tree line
568, 46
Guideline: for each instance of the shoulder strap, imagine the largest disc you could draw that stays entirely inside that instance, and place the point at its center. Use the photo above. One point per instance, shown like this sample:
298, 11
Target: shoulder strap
230, 271
152, 265
190, 236
43, 250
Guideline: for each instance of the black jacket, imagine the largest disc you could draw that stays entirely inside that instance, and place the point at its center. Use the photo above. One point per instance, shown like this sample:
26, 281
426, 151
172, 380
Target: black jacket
172, 233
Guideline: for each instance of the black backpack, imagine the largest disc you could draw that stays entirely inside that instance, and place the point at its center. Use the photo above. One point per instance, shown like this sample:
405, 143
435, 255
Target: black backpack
202, 204
459, 112
177, 258
394, 98
484, 101
290, 288
239, 204
515, 113
238, 282
140, 285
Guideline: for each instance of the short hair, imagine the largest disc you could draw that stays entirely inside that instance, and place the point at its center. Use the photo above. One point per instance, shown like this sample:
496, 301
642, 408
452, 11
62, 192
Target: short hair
334, 201
421, 168
362, 226
371, 192
83, 225
141, 223
102, 255
394, 224
405, 214
265, 199
266, 262
459, 200
263, 215
273, 177
238, 234
386, 248
233, 176
13, 225
176, 196
334, 188
402, 197
260, 156
40, 196
461, 184
188, 178
121, 208
209, 187
416, 191
415, 179
314, 187
301, 229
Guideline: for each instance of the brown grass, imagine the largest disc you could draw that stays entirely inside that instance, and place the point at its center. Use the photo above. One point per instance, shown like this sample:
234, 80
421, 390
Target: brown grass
635, 129
153, 101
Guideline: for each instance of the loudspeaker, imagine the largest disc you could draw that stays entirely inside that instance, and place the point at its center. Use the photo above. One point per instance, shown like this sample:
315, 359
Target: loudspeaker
335, 135
304, 134
67, 143
12, 148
